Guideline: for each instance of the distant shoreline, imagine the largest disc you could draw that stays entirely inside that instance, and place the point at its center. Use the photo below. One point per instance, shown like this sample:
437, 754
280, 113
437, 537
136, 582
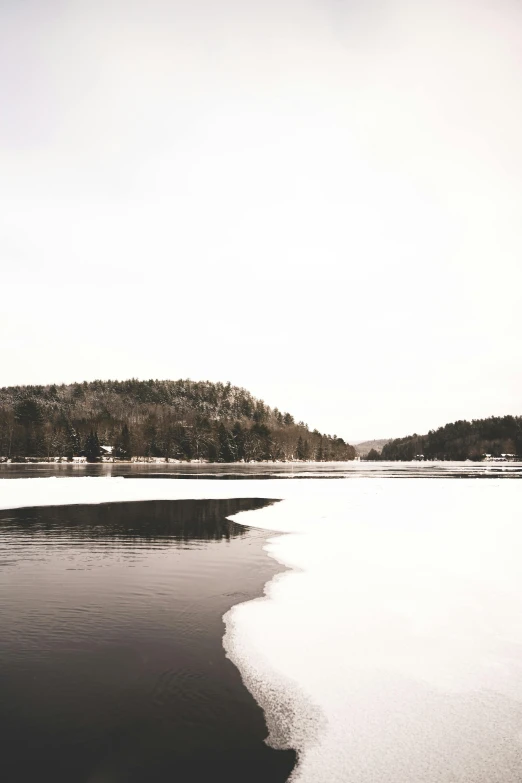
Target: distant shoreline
76, 461
157, 460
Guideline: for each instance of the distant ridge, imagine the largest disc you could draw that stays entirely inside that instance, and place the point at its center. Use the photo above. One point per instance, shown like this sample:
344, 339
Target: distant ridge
461, 440
366, 446
180, 419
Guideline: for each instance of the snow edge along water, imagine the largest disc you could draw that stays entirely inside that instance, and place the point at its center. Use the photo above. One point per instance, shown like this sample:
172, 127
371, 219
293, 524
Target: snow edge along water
293, 722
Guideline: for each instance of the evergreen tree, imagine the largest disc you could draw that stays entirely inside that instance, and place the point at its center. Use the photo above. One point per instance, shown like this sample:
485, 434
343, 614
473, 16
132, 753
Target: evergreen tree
28, 412
299, 452
260, 441
92, 448
122, 447
224, 445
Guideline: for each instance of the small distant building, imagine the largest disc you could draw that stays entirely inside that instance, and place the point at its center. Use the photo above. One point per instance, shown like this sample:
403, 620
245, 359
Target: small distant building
106, 453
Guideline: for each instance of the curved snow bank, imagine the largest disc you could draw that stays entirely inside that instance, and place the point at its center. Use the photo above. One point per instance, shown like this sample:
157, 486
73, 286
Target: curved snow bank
393, 652
395, 649
293, 721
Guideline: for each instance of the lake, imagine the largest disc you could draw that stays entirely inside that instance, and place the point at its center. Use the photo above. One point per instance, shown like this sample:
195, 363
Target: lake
266, 470
112, 663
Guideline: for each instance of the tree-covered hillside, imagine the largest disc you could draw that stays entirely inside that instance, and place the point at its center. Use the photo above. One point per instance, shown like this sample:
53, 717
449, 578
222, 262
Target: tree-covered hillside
461, 440
176, 419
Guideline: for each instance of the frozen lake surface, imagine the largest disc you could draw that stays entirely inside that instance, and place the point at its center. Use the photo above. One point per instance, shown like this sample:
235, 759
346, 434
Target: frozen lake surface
392, 652
265, 470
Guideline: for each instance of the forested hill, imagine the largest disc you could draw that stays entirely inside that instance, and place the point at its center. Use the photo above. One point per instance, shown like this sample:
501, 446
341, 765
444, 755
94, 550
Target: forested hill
176, 419
461, 440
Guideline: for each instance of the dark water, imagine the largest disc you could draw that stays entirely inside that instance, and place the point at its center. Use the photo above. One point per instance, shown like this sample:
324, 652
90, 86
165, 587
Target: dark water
112, 668
268, 470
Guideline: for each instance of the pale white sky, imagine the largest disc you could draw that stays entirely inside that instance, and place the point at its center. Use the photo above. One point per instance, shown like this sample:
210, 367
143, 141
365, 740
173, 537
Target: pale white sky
319, 201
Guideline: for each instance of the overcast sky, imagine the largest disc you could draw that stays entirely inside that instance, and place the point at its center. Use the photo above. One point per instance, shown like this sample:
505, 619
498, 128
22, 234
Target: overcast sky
319, 200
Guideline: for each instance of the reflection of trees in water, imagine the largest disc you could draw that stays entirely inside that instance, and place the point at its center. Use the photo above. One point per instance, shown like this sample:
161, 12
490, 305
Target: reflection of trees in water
172, 520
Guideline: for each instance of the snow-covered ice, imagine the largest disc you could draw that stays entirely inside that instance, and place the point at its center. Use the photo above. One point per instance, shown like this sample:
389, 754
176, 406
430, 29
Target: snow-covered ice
392, 651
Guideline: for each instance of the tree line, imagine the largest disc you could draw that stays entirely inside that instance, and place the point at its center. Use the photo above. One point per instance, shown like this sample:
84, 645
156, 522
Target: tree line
460, 440
180, 420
